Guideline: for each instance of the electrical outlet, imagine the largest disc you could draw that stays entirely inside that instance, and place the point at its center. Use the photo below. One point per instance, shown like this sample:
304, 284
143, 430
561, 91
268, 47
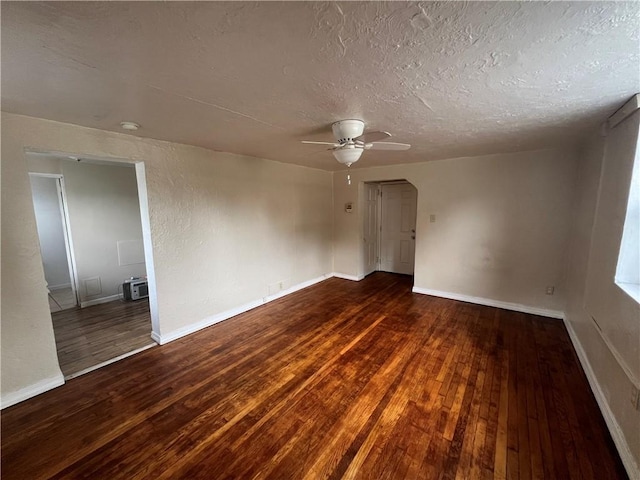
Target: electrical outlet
550, 290
432, 218
635, 397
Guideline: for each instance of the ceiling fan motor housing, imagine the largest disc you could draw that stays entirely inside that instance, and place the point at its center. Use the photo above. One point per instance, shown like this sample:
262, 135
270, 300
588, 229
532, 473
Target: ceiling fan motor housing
346, 130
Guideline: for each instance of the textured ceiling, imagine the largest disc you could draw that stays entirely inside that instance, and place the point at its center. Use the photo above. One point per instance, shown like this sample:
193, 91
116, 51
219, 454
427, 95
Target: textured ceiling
453, 78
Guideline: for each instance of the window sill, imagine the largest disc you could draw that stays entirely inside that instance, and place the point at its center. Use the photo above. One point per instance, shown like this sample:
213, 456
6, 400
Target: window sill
631, 289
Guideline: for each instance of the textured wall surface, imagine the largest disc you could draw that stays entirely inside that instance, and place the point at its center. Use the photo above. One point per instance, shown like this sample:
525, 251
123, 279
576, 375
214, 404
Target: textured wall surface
28, 350
617, 314
612, 380
501, 224
224, 228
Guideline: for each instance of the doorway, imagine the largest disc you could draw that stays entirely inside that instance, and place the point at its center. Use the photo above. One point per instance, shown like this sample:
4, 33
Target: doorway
389, 238
53, 232
98, 210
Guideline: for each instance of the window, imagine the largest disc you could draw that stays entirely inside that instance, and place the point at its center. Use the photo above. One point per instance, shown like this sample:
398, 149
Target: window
628, 268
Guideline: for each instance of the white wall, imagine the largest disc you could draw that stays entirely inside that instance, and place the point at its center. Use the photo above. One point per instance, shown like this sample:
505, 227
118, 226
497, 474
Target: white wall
230, 227
103, 209
609, 362
224, 228
501, 225
617, 314
46, 205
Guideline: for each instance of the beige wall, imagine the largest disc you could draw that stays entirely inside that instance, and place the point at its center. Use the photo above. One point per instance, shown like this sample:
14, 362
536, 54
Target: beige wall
224, 228
613, 386
617, 314
501, 225
103, 209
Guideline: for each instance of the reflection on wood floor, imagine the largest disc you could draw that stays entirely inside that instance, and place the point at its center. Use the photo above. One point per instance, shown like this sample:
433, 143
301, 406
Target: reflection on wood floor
341, 380
86, 337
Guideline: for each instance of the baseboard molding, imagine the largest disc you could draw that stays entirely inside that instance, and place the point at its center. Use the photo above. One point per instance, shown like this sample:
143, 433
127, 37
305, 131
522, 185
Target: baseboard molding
62, 286
345, 276
110, 361
163, 339
156, 338
32, 390
98, 301
632, 468
491, 303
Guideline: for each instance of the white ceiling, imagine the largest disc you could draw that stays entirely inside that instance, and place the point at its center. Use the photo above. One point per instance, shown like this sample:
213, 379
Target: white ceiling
452, 78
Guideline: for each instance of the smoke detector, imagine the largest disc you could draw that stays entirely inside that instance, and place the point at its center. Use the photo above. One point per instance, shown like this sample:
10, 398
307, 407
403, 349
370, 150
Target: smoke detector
131, 126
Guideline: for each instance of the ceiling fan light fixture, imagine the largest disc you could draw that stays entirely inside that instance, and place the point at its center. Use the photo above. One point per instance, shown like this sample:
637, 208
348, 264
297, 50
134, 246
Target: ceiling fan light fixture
346, 130
347, 156
351, 141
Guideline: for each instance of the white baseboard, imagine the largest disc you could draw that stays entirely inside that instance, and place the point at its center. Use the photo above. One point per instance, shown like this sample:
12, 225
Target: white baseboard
32, 390
156, 338
633, 470
61, 286
98, 301
213, 319
491, 303
347, 277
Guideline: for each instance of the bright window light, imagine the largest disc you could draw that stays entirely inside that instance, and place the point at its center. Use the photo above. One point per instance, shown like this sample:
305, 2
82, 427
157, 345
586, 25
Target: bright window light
628, 269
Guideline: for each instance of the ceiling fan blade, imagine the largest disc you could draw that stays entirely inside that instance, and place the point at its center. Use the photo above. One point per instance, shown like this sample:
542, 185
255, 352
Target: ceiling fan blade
324, 150
387, 146
369, 137
321, 143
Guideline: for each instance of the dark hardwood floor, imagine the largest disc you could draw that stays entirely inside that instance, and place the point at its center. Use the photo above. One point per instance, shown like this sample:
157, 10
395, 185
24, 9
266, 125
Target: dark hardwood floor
340, 380
86, 337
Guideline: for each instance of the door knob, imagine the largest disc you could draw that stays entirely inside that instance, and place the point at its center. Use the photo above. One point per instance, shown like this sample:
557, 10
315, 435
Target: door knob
413, 237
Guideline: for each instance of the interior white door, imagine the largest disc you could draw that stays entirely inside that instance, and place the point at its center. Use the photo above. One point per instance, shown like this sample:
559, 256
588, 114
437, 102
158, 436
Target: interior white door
398, 228
370, 236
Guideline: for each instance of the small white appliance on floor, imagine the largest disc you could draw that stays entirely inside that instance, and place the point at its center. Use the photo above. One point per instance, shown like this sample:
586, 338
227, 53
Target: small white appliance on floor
135, 289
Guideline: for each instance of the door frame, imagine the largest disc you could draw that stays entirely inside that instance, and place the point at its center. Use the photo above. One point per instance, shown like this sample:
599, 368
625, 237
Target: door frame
362, 193
377, 229
66, 229
143, 199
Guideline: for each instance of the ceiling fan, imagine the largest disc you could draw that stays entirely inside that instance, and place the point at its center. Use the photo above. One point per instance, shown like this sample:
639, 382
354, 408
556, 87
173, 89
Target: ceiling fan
351, 141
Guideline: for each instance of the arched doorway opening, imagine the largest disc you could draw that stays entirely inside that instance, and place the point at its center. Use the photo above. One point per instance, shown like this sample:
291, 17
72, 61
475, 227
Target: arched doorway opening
389, 227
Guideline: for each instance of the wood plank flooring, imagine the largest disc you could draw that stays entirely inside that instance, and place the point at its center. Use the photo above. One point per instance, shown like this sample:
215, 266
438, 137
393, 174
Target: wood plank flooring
353, 380
89, 336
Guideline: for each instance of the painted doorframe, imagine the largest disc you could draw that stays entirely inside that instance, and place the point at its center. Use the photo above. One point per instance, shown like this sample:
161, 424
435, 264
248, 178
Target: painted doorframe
365, 219
141, 181
362, 193
66, 229
143, 198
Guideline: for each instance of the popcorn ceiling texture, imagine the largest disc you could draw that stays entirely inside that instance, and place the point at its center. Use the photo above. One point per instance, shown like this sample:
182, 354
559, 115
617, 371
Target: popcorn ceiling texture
452, 78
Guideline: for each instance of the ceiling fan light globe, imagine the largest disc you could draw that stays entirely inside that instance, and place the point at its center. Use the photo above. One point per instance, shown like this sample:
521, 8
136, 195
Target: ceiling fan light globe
347, 156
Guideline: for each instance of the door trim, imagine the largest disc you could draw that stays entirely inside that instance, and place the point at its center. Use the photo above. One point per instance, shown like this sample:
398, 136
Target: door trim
362, 200
66, 229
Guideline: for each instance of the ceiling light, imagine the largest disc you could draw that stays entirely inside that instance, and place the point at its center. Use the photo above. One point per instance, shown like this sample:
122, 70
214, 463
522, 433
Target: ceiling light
347, 156
129, 126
